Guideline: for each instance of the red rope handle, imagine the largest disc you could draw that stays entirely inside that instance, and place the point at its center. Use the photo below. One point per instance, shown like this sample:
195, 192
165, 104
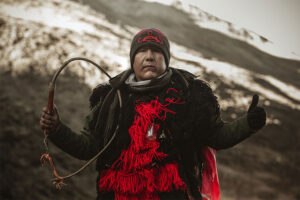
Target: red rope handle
59, 181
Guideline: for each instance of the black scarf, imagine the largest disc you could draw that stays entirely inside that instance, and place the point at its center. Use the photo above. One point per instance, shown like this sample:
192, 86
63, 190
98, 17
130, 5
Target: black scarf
111, 102
150, 85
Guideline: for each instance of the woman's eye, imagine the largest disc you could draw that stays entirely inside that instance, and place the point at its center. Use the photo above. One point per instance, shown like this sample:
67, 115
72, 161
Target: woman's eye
142, 50
154, 49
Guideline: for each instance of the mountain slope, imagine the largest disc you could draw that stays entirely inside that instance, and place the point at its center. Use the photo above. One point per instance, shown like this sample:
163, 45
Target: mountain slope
37, 36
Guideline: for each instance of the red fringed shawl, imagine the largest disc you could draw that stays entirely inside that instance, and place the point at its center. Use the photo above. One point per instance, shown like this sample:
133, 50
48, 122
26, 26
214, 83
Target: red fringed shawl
210, 183
132, 176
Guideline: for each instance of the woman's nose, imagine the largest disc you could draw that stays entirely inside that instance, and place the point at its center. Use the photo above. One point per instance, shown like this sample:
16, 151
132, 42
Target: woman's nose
149, 54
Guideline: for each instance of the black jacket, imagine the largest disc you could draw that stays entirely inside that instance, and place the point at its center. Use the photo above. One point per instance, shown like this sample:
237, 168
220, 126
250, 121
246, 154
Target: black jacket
196, 124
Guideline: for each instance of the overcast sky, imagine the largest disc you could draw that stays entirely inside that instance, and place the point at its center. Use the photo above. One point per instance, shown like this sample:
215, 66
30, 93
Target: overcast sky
277, 20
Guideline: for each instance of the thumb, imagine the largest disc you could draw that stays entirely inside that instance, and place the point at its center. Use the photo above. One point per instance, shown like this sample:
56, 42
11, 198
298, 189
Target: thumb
55, 111
54, 108
254, 102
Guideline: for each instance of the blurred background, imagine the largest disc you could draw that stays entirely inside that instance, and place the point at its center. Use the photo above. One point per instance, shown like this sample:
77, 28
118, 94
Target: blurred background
37, 36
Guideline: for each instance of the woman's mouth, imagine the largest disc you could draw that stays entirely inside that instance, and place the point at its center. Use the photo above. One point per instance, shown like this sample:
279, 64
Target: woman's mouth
148, 67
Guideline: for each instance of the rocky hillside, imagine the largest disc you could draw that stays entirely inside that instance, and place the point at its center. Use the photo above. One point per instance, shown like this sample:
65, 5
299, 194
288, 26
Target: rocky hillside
37, 36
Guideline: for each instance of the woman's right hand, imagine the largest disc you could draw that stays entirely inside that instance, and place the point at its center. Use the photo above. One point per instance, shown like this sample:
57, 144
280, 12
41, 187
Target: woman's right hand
50, 122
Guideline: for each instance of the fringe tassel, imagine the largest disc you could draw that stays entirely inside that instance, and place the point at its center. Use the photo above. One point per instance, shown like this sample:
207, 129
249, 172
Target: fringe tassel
144, 196
168, 177
131, 176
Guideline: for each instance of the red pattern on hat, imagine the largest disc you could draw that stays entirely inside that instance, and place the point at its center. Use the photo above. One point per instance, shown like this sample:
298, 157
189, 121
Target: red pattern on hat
150, 37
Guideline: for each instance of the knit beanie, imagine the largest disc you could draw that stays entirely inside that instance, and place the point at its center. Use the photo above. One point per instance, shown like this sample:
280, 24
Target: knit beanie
150, 37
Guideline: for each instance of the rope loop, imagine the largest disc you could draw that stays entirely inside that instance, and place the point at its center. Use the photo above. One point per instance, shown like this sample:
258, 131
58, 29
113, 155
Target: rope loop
58, 181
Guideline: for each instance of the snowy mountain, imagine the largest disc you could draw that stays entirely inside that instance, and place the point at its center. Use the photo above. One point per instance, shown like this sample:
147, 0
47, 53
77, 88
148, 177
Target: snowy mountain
207, 20
38, 36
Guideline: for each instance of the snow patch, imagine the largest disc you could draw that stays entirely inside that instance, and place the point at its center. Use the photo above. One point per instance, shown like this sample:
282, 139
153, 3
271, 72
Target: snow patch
95, 37
230, 73
206, 20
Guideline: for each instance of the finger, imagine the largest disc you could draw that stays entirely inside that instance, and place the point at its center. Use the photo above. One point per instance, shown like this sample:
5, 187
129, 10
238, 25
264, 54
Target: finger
46, 121
55, 109
46, 110
57, 119
254, 102
45, 126
47, 116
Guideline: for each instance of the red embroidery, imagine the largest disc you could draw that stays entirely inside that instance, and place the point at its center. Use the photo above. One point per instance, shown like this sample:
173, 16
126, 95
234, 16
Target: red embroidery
156, 30
150, 37
171, 89
142, 31
171, 100
132, 176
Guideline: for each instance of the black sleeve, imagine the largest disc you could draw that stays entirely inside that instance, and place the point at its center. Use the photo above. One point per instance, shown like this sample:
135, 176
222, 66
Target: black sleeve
79, 145
83, 145
204, 113
210, 128
230, 134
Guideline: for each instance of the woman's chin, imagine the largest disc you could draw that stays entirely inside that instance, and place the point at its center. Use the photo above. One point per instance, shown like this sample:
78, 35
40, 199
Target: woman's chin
150, 75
